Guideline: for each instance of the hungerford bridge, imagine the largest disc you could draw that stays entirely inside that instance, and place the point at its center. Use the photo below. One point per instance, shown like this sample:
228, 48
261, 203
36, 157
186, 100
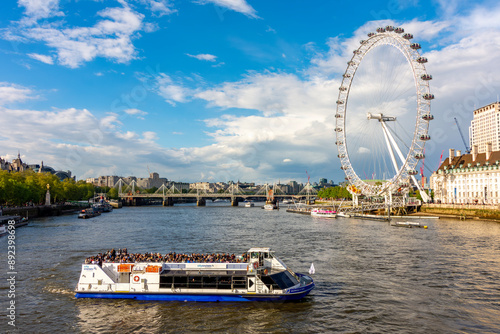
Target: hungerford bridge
131, 194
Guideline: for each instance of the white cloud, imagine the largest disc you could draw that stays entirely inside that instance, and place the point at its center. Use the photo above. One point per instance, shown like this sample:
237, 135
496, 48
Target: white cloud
363, 150
287, 160
203, 56
43, 58
40, 9
134, 111
150, 136
171, 91
11, 93
240, 6
111, 37
159, 8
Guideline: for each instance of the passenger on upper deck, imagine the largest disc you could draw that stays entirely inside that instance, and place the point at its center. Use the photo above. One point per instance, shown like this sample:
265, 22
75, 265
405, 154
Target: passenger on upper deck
122, 256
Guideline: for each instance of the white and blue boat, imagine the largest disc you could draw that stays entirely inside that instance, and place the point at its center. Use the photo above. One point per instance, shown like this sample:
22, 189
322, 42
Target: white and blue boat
261, 277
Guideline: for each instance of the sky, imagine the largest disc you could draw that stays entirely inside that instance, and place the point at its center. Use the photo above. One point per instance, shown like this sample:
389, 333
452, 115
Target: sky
219, 90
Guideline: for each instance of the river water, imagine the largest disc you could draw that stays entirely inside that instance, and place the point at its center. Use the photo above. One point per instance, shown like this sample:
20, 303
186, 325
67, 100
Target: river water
370, 277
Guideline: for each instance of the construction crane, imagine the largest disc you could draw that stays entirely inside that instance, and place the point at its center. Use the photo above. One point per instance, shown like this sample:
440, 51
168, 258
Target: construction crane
467, 148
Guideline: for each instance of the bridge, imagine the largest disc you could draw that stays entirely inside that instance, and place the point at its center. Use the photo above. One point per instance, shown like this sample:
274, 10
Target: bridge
131, 194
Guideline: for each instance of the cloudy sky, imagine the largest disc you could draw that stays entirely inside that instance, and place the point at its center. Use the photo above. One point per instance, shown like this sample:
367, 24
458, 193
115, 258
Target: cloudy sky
218, 90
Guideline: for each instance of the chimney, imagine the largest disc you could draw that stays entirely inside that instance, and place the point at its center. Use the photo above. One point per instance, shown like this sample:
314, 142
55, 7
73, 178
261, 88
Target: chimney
474, 153
452, 154
488, 151
459, 153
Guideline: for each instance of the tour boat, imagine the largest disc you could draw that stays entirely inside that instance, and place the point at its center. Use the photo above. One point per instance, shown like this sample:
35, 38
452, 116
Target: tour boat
323, 213
261, 277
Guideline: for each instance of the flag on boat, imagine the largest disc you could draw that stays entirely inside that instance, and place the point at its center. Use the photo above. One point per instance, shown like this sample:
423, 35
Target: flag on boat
312, 270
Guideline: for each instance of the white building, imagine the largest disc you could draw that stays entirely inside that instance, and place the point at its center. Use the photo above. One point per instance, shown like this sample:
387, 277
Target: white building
485, 127
469, 178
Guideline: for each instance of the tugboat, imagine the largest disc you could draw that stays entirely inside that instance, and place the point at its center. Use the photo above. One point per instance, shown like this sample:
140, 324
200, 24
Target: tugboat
257, 275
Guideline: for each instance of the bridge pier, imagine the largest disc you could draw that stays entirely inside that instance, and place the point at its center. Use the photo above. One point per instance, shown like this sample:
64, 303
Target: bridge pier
168, 201
234, 201
201, 202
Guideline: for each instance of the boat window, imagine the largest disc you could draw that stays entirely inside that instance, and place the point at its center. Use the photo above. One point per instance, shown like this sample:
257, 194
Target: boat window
180, 281
224, 282
209, 282
239, 282
195, 281
268, 281
254, 255
284, 279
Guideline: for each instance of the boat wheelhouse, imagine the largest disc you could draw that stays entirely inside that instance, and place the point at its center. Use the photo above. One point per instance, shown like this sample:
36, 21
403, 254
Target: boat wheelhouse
261, 277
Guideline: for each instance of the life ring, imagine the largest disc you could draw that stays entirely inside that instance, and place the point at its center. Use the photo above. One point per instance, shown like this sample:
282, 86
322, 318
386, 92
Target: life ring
136, 278
255, 265
265, 271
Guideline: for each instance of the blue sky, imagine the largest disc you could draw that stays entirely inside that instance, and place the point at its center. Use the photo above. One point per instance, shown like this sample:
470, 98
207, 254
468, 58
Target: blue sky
218, 90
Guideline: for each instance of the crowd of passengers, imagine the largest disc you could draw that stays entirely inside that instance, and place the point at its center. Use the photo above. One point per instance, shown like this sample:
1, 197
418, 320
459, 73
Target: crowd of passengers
123, 256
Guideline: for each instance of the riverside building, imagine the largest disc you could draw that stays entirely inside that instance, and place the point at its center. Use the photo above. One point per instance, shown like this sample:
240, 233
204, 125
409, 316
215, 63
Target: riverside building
485, 127
468, 178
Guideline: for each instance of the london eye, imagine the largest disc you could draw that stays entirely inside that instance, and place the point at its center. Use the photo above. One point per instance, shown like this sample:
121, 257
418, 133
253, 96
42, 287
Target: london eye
383, 114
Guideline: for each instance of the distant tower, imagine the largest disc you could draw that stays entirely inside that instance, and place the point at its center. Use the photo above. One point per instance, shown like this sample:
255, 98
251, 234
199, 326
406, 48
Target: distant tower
41, 168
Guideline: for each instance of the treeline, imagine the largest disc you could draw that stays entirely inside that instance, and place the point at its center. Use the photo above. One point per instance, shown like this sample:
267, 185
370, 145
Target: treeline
334, 193
19, 188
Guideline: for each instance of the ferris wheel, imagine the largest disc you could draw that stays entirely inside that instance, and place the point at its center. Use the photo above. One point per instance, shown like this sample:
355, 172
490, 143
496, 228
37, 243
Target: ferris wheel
382, 135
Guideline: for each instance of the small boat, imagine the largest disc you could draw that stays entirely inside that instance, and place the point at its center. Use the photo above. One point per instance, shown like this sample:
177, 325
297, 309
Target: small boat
287, 201
343, 215
408, 224
270, 206
249, 204
323, 213
89, 213
257, 275
6, 221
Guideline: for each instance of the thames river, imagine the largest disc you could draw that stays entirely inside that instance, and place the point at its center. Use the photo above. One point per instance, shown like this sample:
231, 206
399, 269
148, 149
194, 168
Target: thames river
370, 277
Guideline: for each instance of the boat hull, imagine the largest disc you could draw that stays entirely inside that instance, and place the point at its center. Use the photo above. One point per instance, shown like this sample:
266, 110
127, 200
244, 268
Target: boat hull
194, 297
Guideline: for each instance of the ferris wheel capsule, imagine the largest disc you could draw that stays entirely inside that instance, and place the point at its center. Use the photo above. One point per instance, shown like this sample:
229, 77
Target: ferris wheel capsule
412, 172
419, 156
426, 77
389, 28
428, 117
362, 41
340, 102
425, 137
380, 30
371, 34
415, 46
408, 36
399, 30
428, 96
338, 115
341, 88
421, 60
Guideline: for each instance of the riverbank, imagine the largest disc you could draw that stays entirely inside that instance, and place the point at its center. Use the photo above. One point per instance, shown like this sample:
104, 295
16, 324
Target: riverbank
43, 210
461, 211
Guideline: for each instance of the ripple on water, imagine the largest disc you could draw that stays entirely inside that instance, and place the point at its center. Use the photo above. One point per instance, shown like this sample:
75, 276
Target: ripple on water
370, 277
